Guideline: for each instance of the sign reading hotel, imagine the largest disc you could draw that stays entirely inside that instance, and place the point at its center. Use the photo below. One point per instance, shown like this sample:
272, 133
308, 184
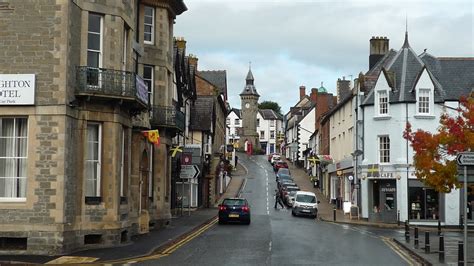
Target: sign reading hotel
17, 89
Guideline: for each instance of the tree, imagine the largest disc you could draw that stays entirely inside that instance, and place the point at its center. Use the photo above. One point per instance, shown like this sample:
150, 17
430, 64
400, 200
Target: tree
270, 105
434, 158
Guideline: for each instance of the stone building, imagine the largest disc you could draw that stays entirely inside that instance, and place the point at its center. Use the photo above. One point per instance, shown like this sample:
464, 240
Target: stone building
75, 168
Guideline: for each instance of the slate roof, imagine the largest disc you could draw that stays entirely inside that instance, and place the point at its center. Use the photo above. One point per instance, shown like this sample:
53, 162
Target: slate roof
217, 78
249, 86
237, 112
269, 114
452, 77
201, 113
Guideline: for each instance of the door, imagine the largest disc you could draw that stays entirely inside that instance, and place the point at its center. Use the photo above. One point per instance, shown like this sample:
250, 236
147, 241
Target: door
388, 201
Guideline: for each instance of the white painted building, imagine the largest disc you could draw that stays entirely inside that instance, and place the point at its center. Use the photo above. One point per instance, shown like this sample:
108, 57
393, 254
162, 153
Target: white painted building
233, 122
269, 127
405, 87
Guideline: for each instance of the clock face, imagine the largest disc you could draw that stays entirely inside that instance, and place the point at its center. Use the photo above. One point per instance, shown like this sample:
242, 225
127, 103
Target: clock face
247, 105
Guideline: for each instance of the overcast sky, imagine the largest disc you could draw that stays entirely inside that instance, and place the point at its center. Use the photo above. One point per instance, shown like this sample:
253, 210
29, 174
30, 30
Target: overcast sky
296, 42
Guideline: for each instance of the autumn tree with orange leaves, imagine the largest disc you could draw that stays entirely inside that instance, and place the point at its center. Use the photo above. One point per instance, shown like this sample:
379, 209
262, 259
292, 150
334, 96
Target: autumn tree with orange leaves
434, 158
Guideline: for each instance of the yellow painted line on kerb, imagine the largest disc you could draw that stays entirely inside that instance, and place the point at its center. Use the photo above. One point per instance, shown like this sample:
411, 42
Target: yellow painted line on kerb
72, 260
399, 251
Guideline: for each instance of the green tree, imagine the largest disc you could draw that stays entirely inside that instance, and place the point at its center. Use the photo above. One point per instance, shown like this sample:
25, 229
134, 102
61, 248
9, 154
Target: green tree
270, 105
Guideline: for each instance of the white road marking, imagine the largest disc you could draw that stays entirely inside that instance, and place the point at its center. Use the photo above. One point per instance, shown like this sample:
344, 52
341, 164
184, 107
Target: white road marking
270, 246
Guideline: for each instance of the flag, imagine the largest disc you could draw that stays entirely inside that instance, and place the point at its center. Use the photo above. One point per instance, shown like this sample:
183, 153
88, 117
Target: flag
153, 136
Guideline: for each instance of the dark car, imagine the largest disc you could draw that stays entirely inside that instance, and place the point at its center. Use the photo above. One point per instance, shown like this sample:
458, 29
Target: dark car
281, 178
234, 209
283, 171
279, 164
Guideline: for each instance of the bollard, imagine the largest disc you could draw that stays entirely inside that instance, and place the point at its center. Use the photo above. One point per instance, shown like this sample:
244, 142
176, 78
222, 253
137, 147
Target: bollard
398, 218
427, 242
441, 248
334, 214
460, 253
407, 232
439, 227
416, 237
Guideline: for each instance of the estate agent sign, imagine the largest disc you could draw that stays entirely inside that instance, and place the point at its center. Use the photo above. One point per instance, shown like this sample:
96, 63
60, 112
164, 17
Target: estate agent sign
17, 89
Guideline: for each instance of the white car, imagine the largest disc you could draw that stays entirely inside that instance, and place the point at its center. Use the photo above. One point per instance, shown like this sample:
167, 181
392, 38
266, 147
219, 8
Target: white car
275, 158
305, 203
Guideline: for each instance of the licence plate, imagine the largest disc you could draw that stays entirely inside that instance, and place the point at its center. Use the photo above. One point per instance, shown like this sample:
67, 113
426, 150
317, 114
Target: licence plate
304, 210
233, 215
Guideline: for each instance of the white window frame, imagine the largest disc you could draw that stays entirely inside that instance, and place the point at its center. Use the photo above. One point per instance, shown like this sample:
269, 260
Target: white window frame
424, 98
98, 179
16, 157
272, 122
383, 105
122, 164
100, 51
258, 122
262, 134
237, 122
383, 157
152, 25
151, 81
272, 134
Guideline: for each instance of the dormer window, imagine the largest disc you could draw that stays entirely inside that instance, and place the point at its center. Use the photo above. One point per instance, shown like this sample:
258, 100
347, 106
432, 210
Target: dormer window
383, 102
424, 101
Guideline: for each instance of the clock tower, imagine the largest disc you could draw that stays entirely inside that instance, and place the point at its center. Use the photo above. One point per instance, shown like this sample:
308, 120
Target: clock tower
249, 100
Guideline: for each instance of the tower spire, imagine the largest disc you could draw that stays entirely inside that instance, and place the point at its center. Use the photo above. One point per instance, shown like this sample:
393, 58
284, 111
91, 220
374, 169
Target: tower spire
405, 43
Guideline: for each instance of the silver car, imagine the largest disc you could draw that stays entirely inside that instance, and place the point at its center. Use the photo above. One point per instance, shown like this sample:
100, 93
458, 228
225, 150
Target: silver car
290, 198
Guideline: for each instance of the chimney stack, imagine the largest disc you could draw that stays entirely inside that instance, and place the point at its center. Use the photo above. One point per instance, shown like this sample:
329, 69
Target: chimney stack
314, 95
302, 92
343, 88
193, 62
379, 46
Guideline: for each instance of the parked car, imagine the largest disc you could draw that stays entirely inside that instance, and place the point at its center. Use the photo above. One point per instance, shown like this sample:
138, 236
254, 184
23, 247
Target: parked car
275, 158
287, 189
284, 178
283, 171
305, 203
234, 209
270, 156
290, 198
278, 165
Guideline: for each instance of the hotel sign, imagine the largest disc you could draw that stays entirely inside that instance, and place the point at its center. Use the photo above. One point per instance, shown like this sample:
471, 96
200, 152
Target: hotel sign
17, 89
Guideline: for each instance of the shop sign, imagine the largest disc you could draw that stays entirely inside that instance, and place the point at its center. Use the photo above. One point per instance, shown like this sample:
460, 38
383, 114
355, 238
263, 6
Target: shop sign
388, 189
17, 89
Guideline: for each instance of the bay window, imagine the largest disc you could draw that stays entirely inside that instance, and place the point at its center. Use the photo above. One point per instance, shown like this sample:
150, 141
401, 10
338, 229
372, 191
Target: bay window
93, 160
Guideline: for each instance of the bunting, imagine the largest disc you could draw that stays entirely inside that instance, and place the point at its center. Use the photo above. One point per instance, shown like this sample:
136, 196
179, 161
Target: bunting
153, 136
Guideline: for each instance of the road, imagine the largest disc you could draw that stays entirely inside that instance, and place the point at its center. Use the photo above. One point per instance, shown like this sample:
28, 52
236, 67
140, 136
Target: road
276, 238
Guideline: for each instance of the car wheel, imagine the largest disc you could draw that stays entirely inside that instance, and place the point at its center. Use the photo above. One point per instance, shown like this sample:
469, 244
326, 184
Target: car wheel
247, 222
293, 213
221, 221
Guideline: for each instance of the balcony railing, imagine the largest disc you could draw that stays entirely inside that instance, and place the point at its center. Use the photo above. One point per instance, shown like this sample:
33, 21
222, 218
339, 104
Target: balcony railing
167, 116
110, 83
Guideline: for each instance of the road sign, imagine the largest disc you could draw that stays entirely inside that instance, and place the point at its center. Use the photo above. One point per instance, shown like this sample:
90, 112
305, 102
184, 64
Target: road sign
465, 159
189, 171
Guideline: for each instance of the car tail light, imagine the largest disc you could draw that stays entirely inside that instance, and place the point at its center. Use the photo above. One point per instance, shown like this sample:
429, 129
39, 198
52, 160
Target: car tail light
245, 208
222, 208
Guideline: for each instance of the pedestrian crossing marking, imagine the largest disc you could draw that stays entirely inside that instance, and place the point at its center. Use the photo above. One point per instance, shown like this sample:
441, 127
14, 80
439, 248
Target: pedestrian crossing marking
72, 260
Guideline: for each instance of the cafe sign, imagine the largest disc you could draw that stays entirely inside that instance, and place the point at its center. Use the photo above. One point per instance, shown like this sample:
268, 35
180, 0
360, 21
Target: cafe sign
17, 89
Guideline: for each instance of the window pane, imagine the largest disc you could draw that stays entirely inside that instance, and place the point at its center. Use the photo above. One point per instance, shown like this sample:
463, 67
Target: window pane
22, 124
148, 11
147, 72
147, 37
92, 59
148, 20
94, 23
93, 41
6, 127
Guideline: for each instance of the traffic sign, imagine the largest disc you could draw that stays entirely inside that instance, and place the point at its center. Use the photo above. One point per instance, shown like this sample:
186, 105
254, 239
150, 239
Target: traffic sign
189, 171
465, 158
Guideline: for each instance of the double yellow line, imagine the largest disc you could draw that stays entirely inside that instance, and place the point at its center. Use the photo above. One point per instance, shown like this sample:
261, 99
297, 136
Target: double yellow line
402, 253
190, 237
173, 247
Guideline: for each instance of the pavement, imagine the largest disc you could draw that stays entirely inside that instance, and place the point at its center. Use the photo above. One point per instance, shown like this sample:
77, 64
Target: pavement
180, 227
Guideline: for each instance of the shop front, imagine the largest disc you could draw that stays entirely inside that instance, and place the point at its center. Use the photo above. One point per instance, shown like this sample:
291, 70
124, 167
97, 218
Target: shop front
383, 200
424, 202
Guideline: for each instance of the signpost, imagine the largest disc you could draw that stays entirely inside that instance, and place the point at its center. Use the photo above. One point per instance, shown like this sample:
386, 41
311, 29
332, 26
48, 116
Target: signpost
189, 171
465, 159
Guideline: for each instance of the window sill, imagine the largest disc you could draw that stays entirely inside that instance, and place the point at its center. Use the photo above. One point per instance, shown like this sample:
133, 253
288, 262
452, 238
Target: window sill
423, 116
383, 117
93, 200
12, 200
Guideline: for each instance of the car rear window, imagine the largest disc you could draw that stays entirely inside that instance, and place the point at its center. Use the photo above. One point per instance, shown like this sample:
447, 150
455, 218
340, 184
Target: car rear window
284, 171
292, 188
234, 202
306, 198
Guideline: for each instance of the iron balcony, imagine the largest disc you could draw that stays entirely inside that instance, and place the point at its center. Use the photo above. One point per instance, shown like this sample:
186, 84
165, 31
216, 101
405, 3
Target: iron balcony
112, 84
167, 117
